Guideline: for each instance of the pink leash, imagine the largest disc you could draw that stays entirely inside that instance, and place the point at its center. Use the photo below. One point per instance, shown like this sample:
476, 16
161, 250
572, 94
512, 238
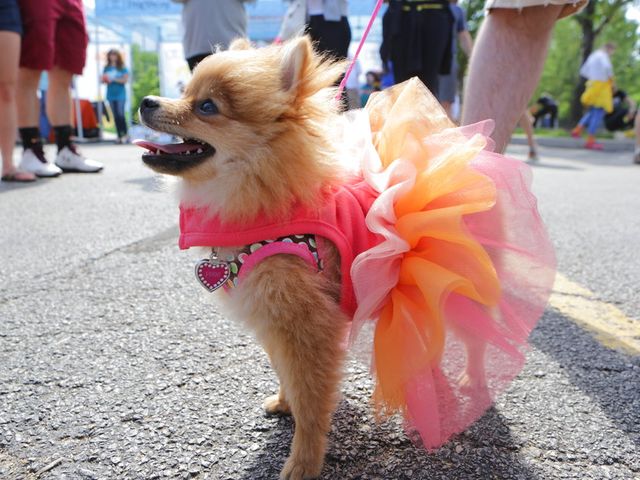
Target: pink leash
362, 40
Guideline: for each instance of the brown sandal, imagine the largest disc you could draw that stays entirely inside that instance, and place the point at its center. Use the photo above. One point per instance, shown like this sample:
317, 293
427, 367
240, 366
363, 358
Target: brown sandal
19, 176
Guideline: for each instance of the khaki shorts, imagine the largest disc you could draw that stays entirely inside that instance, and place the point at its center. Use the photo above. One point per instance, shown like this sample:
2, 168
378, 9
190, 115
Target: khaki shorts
570, 6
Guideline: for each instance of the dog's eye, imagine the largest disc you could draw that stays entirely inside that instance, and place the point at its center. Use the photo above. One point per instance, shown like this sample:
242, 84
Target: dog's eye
207, 107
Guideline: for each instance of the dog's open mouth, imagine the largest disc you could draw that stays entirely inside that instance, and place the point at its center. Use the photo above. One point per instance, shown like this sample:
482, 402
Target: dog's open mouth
175, 157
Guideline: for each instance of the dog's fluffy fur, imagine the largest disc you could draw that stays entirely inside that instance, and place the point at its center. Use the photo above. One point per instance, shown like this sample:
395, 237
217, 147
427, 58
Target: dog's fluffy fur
272, 144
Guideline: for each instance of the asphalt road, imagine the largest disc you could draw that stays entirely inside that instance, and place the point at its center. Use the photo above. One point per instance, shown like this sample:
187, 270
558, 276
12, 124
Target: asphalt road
114, 365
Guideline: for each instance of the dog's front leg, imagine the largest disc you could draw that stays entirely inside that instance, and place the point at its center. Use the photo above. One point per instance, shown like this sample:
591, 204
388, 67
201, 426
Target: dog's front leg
276, 404
295, 316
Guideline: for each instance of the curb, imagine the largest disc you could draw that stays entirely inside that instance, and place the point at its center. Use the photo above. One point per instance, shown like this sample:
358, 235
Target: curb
564, 142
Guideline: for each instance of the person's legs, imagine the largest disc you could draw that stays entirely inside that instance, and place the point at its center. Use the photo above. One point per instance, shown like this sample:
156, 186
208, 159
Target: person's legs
33, 159
59, 106
117, 107
636, 156
592, 125
536, 117
447, 89
333, 39
526, 123
195, 60
27, 98
583, 122
509, 53
330, 37
59, 97
553, 111
70, 43
597, 114
9, 61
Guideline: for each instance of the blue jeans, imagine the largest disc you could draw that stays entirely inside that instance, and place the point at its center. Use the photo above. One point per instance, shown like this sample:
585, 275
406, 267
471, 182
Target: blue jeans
117, 107
592, 119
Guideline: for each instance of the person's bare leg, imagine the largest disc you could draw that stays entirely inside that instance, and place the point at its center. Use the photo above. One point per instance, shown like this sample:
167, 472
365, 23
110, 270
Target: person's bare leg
59, 108
636, 156
9, 61
505, 66
526, 123
27, 99
59, 97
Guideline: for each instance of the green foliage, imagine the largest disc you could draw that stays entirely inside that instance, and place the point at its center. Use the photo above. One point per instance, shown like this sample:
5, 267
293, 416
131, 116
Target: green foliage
475, 13
145, 77
561, 70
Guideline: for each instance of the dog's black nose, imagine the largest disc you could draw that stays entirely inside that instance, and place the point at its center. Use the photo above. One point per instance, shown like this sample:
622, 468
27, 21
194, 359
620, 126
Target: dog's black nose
149, 103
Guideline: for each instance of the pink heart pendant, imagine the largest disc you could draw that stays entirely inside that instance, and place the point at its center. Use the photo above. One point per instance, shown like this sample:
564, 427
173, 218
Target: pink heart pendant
212, 274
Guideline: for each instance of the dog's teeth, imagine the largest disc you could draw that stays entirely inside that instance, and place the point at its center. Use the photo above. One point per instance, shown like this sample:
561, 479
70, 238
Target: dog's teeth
199, 150
188, 152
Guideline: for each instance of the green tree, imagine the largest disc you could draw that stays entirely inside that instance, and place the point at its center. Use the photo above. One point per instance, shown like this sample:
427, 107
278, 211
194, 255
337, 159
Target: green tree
145, 77
474, 9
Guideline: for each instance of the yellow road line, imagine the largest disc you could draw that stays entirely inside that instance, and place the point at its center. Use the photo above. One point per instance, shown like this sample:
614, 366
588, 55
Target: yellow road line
608, 324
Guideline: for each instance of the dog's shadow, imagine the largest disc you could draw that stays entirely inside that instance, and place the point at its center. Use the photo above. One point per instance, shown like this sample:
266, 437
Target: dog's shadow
359, 447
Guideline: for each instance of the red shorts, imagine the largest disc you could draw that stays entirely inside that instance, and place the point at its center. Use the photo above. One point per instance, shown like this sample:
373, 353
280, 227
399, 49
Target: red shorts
54, 35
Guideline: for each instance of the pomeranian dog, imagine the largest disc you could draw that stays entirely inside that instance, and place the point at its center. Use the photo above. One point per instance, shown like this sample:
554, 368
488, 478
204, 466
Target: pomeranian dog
256, 127
432, 245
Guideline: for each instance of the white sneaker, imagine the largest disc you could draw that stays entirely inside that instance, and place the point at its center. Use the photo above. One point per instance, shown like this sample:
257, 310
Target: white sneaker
69, 160
34, 161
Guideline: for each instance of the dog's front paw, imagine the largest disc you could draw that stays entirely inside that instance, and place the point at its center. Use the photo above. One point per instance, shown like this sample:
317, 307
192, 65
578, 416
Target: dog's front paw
296, 469
276, 405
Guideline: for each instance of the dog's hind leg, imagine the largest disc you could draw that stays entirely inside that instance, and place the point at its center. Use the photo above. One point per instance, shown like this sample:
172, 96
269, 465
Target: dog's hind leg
297, 319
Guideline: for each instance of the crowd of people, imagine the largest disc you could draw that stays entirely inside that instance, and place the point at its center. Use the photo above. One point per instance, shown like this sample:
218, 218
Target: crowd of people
420, 38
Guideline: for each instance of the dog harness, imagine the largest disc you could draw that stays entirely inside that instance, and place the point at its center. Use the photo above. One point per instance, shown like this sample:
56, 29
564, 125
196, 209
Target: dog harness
241, 263
340, 220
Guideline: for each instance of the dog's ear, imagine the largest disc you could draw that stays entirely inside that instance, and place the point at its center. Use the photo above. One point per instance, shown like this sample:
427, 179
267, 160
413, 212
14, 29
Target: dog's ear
240, 44
304, 72
296, 56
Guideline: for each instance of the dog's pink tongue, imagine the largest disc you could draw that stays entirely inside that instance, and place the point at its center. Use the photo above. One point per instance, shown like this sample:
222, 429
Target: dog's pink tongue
166, 148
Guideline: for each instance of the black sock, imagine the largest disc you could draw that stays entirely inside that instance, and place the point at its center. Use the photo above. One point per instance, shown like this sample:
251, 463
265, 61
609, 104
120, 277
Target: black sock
30, 137
63, 136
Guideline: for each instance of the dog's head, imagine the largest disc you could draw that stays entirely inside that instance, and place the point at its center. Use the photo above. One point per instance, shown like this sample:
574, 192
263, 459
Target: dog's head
255, 124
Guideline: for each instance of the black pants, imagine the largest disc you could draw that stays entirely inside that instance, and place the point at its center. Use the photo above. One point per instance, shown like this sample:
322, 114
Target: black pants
330, 37
616, 121
196, 59
421, 45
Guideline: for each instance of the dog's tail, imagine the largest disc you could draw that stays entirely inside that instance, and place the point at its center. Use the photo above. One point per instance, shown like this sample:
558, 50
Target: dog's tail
464, 271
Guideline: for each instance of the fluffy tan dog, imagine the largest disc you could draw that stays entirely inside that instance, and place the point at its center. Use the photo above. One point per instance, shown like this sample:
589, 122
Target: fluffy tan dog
255, 124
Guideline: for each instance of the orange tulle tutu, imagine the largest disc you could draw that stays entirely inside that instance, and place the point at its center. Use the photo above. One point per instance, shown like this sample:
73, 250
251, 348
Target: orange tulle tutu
463, 273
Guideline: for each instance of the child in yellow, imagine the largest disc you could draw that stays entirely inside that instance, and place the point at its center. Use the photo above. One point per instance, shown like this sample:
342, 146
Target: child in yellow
598, 96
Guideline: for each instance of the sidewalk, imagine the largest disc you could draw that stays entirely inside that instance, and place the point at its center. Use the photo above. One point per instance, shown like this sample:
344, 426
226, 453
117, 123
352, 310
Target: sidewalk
610, 145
